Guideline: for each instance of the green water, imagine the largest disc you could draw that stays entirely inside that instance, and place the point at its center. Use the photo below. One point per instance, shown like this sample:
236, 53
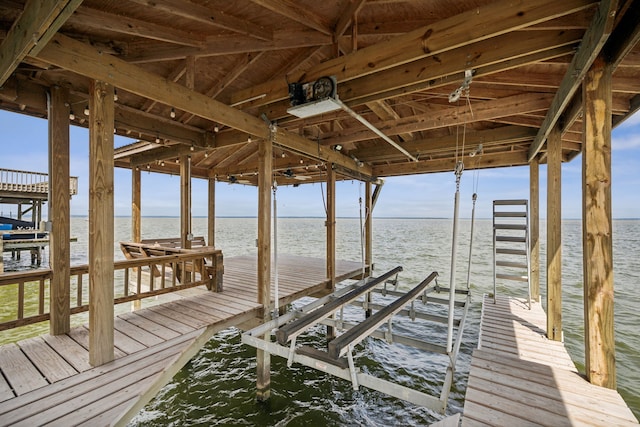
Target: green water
217, 386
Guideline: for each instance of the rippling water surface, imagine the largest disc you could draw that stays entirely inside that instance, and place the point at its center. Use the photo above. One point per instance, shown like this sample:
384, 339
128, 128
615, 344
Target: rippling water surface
218, 386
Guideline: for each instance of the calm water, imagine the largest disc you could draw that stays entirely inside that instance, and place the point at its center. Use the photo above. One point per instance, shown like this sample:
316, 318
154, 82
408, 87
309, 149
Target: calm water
217, 386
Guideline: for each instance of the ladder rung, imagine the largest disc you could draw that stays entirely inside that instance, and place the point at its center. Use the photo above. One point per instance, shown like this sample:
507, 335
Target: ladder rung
513, 277
511, 264
510, 202
506, 251
510, 226
510, 214
510, 239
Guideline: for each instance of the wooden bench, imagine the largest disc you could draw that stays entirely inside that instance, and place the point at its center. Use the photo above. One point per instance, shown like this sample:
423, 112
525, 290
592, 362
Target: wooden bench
175, 242
210, 265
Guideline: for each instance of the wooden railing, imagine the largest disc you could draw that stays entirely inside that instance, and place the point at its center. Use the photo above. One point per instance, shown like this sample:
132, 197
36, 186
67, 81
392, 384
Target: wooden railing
24, 295
30, 182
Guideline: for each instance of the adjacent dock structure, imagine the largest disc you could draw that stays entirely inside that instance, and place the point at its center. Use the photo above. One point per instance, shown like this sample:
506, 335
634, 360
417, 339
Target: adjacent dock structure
519, 377
49, 378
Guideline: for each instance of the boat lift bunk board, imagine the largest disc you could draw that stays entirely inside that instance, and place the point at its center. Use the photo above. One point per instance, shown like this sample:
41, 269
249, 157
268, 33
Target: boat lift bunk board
280, 336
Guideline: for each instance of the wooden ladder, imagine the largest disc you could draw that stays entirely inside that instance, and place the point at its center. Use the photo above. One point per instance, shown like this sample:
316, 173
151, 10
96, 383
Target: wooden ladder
511, 243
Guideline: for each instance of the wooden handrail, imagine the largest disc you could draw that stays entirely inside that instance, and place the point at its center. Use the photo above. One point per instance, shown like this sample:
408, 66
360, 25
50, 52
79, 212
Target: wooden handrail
31, 307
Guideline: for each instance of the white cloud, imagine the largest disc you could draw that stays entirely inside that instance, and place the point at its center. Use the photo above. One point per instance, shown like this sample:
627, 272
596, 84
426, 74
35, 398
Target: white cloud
630, 141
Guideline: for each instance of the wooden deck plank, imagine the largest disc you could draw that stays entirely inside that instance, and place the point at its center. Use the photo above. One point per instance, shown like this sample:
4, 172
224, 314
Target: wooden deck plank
48, 362
5, 390
144, 343
76, 355
80, 335
149, 326
19, 371
519, 377
167, 322
97, 396
57, 394
132, 331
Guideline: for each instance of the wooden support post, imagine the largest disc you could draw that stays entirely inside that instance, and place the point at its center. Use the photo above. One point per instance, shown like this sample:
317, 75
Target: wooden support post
136, 219
185, 201
554, 236
600, 360
331, 227
331, 237
534, 227
59, 211
265, 178
368, 235
211, 213
101, 317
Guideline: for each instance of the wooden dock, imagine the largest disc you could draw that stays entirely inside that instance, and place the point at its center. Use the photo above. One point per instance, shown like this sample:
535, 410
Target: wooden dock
520, 378
48, 379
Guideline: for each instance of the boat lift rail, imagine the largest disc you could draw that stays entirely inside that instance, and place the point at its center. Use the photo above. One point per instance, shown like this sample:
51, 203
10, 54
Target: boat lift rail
338, 360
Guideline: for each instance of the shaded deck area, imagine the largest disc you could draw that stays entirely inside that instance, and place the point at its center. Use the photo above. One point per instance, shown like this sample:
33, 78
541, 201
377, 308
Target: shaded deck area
519, 377
48, 379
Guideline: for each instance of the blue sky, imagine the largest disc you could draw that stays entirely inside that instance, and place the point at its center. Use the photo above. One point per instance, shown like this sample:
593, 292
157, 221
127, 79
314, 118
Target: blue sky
23, 144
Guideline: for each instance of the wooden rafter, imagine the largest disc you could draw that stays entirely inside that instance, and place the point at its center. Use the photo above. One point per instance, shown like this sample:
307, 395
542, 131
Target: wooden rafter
32, 30
428, 146
346, 17
136, 27
513, 158
625, 37
451, 116
209, 16
592, 43
226, 45
83, 59
472, 26
297, 13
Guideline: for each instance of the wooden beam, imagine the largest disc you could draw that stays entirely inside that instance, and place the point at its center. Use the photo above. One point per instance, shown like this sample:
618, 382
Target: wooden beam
136, 192
534, 227
207, 15
592, 42
297, 13
225, 45
554, 236
59, 212
514, 158
600, 360
499, 52
185, 201
346, 17
102, 20
82, 59
34, 28
472, 26
101, 293
625, 36
433, 145
451, 116
265, 181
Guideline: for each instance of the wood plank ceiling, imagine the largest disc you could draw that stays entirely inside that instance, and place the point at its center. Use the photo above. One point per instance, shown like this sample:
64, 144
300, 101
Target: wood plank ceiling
204, 77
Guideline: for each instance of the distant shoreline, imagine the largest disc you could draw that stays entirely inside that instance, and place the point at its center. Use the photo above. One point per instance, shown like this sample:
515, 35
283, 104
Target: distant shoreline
340, 217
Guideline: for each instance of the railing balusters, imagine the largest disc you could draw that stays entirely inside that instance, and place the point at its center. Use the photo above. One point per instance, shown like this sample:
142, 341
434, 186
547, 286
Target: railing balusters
180, 265
41, 297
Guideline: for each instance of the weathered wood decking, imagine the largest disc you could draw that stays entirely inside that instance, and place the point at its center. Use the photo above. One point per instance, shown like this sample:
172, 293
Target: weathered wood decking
519, 377
48, 379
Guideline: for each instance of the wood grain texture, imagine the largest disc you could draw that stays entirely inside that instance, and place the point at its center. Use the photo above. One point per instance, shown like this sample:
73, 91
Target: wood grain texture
554, 236
600, 361
101, 215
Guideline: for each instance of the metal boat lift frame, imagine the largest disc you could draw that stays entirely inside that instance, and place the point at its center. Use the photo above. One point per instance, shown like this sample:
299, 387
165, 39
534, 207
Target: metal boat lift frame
338, 360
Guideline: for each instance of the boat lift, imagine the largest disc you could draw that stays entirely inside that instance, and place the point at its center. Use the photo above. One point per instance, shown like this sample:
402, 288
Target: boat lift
279, 336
